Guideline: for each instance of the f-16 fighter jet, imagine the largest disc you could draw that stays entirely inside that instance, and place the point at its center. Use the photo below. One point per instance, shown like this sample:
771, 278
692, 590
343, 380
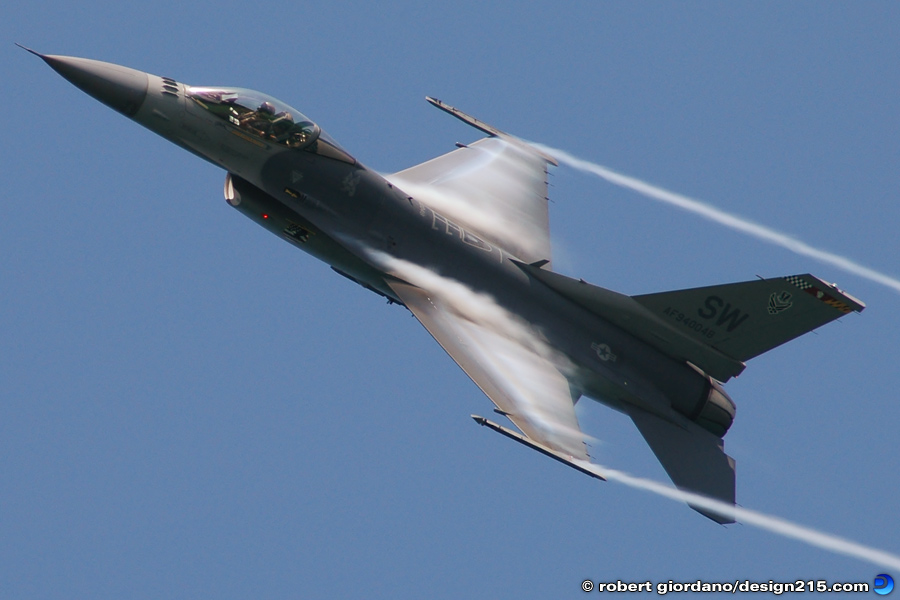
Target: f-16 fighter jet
462, 241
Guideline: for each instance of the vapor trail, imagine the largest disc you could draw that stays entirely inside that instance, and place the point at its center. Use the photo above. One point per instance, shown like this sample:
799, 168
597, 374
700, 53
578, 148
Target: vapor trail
712, 213
776, 525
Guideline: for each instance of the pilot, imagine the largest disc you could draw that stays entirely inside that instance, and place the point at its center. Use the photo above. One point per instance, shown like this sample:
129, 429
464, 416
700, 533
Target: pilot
282, 123
260, 120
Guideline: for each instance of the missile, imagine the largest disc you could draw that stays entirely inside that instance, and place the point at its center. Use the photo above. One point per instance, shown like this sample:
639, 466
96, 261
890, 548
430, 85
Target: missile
554, 454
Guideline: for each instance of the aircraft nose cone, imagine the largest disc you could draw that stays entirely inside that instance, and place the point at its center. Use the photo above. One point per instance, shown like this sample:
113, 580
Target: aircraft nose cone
118, 87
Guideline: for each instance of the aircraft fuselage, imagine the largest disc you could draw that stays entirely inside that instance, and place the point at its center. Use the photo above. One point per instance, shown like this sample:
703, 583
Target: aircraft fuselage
328, 204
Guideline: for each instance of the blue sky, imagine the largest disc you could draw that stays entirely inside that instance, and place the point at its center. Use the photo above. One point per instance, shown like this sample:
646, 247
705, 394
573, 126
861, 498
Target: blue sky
190, 407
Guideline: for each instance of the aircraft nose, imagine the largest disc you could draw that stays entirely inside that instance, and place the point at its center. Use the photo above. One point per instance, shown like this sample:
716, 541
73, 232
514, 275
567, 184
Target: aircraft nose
118, 87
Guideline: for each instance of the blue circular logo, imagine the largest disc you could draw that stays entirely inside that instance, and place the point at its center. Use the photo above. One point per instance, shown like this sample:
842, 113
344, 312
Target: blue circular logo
884, 584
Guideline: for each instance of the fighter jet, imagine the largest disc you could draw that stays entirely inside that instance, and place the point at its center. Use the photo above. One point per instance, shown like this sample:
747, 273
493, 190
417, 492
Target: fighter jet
462, 241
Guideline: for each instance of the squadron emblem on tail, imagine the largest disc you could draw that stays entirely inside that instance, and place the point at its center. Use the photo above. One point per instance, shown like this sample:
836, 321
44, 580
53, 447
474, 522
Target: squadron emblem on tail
779, 302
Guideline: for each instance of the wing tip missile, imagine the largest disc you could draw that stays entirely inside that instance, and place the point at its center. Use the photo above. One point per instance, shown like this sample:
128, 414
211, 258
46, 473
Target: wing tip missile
488, 129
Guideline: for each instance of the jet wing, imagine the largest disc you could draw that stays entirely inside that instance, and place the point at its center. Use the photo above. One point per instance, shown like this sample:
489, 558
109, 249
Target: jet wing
525, 383
495, 187
531, 389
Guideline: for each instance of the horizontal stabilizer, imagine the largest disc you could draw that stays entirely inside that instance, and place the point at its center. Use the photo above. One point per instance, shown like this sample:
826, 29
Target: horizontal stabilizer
694, 459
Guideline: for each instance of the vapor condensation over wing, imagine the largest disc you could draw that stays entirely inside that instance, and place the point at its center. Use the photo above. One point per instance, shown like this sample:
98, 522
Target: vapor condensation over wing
527, 369
712, 213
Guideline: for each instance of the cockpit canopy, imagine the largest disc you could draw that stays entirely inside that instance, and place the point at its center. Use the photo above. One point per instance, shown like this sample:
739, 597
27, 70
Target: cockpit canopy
259, 115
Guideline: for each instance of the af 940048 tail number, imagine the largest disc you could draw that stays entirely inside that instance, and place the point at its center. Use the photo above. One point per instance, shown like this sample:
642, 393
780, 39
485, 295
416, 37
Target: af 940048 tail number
689, 322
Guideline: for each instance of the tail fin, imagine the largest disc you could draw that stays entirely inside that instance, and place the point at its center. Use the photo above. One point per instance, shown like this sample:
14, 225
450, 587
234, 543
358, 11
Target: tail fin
716, 328
743, 320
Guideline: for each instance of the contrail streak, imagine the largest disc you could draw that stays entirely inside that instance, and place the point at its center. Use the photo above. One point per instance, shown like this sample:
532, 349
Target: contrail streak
776, 525
723, 218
